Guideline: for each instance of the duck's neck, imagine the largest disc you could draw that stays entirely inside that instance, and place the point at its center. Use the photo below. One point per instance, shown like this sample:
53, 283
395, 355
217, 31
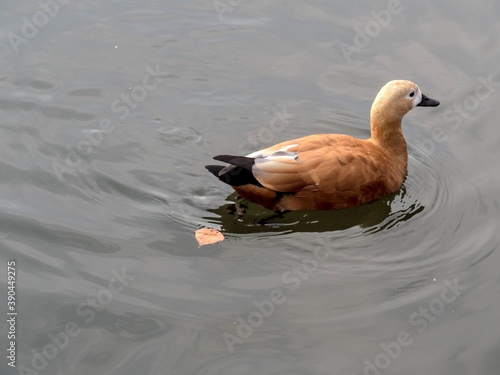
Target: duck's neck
386, 130
387, 134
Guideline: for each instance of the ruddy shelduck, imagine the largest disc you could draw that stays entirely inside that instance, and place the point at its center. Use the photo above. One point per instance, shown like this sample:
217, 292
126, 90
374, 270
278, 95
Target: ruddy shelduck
330, 171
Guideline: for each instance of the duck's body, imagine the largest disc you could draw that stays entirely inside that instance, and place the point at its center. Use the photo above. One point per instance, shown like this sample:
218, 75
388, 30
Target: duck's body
330, 171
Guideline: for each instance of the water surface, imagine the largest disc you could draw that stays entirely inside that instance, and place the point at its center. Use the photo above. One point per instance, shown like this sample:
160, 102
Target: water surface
110, 112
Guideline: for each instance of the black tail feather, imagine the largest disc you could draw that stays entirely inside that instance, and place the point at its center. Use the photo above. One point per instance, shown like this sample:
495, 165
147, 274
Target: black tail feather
239, 161
240, 175
214, 169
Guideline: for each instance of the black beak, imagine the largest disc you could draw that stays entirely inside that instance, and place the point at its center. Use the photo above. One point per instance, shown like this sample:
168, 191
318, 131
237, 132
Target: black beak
428, 102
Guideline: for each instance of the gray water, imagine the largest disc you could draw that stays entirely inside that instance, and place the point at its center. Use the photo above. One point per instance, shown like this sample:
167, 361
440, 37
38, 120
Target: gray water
109, 112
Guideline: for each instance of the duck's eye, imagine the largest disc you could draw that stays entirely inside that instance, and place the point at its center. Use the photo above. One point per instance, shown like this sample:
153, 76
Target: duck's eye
412, 94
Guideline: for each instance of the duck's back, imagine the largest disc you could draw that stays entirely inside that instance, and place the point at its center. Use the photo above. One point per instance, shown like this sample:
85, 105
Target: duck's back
326, 171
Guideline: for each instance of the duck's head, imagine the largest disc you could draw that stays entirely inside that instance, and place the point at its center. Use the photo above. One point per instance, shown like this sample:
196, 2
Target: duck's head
394, 100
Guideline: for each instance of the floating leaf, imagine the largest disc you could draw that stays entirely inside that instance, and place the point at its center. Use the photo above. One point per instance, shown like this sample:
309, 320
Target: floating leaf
208, 236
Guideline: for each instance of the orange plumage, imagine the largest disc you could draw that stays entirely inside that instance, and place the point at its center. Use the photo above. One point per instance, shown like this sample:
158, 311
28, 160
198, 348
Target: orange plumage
330, 171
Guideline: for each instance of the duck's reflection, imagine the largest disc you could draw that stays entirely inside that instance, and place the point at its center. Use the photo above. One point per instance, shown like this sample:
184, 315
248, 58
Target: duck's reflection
245, 217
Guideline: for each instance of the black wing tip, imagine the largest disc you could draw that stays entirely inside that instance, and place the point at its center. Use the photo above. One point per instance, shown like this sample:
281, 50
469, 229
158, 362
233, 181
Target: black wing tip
240, 175
239, 161
214, 169
228, 158
223, 157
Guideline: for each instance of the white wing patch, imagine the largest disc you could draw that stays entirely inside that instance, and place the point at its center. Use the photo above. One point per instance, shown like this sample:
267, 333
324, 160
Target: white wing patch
286, 148
265, 152
277, 162
276, 158
278, 171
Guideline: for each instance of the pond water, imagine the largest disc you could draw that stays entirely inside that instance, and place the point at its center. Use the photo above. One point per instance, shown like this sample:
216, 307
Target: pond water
109, 112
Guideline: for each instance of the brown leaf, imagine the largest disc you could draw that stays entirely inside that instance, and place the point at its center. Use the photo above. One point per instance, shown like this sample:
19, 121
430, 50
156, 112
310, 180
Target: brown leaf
208, 236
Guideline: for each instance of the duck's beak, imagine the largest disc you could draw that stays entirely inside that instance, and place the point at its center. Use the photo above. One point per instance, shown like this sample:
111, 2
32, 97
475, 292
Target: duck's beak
427, 102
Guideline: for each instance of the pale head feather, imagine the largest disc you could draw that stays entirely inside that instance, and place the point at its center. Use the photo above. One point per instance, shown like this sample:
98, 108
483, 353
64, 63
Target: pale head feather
393, 101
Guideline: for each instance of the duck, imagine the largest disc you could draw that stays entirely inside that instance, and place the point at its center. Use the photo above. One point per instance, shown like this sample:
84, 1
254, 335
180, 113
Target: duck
330, 171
